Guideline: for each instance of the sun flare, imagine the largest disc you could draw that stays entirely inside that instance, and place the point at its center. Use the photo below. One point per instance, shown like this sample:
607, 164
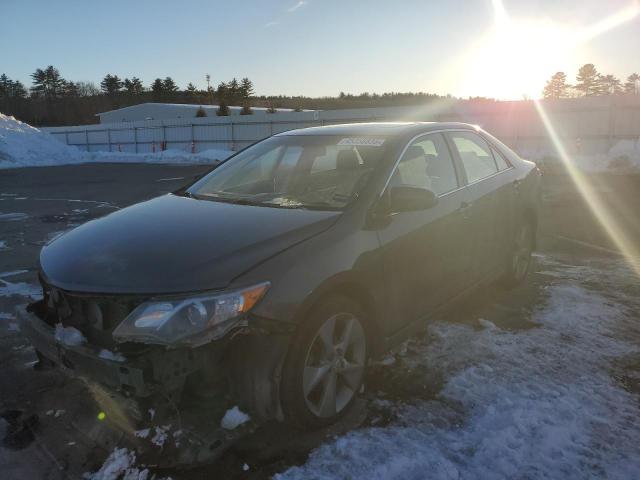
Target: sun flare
516, 56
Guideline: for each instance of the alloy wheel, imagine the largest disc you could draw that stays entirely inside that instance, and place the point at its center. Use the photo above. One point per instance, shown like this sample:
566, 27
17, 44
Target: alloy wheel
334, 365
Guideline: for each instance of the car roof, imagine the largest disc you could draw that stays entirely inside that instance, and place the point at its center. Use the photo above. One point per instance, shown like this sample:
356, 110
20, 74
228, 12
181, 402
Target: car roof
380, 128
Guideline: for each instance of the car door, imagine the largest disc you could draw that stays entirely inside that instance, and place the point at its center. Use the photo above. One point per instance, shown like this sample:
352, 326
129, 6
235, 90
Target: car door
481, 172
425, 253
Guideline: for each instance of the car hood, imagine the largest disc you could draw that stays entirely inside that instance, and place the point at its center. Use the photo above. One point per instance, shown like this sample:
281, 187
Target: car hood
174, 244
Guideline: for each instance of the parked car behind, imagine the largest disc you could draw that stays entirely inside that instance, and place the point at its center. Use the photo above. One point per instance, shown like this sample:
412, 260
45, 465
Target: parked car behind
282, 272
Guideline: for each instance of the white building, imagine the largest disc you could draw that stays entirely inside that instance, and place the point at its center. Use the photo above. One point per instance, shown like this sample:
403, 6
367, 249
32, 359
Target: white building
165, 111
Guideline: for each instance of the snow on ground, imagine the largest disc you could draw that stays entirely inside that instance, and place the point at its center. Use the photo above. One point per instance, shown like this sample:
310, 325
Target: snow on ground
535, 403
119, 465
8, 289
623, 157
22, 145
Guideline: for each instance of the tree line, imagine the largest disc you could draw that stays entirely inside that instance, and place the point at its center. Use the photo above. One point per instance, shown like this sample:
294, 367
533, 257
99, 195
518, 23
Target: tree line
590, 82
53, 100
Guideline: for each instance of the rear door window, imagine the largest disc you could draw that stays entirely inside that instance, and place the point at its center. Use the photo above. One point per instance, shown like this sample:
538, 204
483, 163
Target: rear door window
427, 163
475, 154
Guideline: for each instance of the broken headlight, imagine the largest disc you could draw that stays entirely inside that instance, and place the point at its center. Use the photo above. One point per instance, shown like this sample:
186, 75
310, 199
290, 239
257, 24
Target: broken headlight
191, 321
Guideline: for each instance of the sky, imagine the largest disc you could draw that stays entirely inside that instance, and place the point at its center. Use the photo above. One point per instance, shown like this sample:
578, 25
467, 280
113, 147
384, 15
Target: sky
496, 48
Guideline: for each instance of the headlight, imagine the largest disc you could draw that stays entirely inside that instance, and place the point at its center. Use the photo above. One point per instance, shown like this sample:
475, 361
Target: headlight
191, 321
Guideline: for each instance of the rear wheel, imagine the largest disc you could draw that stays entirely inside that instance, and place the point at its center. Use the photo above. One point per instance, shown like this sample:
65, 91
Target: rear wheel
520, 258
325, 367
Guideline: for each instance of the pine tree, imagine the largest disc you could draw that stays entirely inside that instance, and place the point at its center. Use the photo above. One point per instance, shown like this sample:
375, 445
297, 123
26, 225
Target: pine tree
5, 86
55, 81
632, 85
246, 108
157, 88
17, 90
201, 112
169, 85
246, 88
234, 90
192, 90
39, 83
136, 86
588, 80
111, 84
556, 87
610, 85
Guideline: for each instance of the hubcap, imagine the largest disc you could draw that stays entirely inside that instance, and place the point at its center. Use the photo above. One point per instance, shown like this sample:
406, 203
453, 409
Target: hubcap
522, 254
334, 365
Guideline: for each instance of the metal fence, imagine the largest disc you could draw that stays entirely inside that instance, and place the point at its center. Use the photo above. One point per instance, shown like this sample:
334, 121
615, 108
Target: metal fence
588, 125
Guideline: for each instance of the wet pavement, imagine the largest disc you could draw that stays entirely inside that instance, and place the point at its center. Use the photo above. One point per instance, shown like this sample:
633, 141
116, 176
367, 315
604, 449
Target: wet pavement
539, 382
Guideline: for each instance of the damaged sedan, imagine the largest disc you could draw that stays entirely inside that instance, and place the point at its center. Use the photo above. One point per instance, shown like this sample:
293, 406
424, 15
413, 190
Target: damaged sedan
272, 281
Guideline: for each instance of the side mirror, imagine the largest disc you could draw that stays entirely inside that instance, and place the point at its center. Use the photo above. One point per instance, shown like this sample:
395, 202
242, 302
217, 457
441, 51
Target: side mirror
410, 199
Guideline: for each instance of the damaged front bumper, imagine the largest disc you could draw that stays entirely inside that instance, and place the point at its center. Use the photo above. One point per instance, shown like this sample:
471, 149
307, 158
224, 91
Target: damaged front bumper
190, 388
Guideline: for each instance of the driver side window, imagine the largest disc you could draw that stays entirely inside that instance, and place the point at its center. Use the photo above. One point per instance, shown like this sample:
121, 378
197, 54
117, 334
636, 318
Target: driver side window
426, 163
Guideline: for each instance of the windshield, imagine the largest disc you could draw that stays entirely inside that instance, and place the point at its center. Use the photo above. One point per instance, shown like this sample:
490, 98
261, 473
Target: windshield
316, 172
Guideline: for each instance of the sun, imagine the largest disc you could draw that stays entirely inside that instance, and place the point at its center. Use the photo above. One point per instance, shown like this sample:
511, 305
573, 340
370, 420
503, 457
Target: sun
515, 58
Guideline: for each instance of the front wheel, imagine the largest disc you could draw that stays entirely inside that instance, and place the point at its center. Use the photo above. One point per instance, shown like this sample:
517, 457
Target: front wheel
520, 258
324, 369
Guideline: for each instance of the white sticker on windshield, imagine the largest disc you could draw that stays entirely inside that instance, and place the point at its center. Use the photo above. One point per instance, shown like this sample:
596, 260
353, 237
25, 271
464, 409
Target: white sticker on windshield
361, 142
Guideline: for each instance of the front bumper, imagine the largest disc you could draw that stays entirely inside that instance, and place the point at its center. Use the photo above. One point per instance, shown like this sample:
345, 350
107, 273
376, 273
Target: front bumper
129, 391
83, 360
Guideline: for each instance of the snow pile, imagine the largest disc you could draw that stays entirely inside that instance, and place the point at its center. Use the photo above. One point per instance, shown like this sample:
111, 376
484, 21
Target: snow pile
536, 403
233, 418
22, 145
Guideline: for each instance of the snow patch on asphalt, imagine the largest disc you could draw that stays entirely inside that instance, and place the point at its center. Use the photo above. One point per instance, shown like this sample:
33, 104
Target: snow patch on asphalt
119, 465
22, 145
13, 217
8, 289
536, 403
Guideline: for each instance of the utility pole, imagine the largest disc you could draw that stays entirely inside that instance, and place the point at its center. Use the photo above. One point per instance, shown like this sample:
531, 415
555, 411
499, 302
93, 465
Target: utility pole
208, 78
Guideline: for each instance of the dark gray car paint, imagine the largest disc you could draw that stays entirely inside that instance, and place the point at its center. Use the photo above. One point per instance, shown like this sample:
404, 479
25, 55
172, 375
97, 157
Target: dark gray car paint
174, 244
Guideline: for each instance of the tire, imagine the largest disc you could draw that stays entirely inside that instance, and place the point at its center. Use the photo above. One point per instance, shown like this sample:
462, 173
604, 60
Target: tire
325, 366
520, 257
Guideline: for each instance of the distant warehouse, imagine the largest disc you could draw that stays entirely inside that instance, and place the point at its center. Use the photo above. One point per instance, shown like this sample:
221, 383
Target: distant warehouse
166, 111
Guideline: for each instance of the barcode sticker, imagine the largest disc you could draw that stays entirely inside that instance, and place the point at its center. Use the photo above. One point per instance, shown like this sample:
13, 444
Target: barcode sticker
361, 142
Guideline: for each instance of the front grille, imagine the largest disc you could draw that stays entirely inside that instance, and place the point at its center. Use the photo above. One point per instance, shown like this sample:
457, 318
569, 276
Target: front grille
96, 316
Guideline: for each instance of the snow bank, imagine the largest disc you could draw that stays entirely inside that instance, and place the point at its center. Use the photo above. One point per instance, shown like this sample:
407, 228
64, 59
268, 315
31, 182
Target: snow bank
22, 145
536, 403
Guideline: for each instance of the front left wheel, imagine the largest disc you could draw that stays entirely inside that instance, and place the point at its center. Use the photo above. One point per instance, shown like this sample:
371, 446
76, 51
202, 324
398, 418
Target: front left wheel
324, 369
